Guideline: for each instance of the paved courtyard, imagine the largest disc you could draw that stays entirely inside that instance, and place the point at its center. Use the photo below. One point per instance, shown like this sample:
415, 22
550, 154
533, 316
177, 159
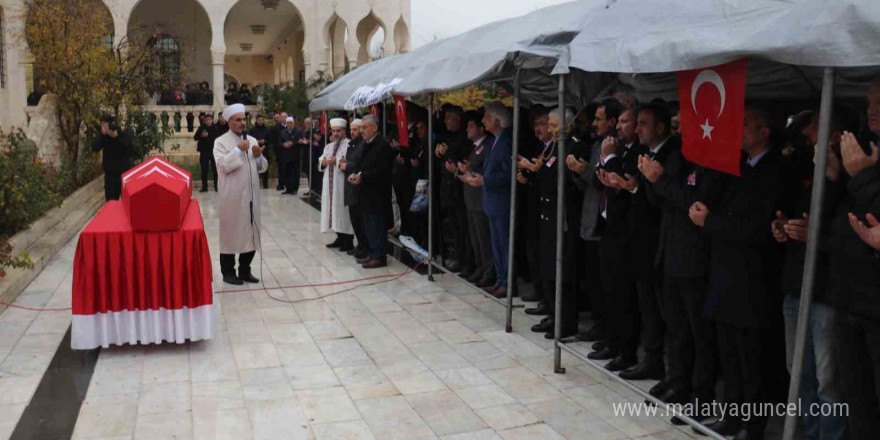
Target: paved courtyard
407, 359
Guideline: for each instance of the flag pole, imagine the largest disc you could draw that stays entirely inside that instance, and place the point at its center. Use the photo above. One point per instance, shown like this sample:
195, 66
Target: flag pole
430, 187
511, 248
809, 277
560, 239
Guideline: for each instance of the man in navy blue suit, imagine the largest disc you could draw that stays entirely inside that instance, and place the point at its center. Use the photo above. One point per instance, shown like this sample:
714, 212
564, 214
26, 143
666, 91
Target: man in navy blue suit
495, 181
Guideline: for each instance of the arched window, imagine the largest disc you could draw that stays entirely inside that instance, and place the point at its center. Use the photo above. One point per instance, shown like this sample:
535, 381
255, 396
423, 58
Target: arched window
166, 51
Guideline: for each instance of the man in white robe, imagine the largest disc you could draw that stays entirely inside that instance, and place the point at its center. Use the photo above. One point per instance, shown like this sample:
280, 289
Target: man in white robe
334, 215
240, 161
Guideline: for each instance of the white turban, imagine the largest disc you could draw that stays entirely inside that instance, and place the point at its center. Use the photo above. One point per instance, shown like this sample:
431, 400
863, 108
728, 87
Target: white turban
289, 119
357, 123
233, 110
338, 123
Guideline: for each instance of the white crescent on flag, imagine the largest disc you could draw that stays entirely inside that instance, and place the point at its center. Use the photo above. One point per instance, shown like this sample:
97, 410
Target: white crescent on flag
711, 77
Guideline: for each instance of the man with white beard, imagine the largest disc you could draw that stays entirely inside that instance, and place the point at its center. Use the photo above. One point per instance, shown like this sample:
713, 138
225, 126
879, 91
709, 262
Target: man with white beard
334, 216
240, 161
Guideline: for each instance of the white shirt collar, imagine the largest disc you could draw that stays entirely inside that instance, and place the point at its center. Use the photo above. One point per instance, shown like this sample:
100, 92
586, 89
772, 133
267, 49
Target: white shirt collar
754, 160
480, 141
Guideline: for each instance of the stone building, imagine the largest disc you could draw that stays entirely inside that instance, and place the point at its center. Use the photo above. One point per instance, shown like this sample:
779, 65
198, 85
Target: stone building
223, 41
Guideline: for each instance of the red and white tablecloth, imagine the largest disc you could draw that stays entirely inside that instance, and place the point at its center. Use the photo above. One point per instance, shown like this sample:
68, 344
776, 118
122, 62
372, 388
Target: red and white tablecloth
141, 287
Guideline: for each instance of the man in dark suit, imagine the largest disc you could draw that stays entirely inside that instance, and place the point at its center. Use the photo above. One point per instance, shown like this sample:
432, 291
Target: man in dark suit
290, 146
205, 137
117, 146
262, 134
478, 224
529, 193
682, 257
453, 148
743, 298
275, 141
374, 181
350, 167
655, 142
619, 158
495, 182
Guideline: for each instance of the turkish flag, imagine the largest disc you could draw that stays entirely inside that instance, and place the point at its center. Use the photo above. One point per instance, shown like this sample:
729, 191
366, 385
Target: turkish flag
402, 123
374, 110
712, 110
323, 123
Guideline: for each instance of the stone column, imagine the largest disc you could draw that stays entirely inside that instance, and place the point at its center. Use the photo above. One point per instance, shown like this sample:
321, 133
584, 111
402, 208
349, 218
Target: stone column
218, 63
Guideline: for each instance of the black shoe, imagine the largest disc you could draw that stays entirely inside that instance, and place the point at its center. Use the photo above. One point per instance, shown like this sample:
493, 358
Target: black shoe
620, 363
360, 255
203, 190
346, 247
598, 345
564, 333
351, 251
725, 426
660, 389
603, 354
248, 277
541, 309
596, 333
546, 326
674, 395
485, 282
336, 243
644, 371
232, 279
279, 188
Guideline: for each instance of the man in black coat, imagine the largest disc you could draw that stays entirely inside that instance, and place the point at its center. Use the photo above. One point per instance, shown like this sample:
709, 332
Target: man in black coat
263, 136
683, 258
205, 136
454, 148
275, 141
373, 178
290, 146
350, 167
619, 158
529, 193
117, 147
655, 142
854, 282
743, 295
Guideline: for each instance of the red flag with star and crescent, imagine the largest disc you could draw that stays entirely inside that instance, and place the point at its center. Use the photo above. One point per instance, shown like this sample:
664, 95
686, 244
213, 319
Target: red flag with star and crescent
712, 109
402, 123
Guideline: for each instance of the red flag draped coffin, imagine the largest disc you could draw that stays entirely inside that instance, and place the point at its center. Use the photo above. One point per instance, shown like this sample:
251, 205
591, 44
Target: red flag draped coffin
156, 194
142, 270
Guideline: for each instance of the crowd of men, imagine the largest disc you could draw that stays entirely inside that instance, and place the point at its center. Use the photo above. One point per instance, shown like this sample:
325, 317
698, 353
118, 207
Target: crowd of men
692, 275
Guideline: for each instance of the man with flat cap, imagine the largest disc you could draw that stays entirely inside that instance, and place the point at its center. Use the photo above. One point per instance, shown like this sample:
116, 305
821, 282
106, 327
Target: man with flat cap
240, 161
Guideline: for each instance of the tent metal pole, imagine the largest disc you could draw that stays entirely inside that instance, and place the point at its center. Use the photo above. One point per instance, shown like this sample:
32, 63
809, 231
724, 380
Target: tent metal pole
560, 239
511, 247
816, 200
431, 187
384, 121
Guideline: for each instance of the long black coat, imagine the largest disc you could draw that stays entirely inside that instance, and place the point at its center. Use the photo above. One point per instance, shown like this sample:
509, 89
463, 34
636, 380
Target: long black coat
375, 170
291, 135
451, 191
746, 260
205, 145
854, 284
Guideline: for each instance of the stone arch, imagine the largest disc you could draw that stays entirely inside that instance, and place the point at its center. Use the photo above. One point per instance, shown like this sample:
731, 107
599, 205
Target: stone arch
265, 39
335, 38
401, 36
189, 25
366, 29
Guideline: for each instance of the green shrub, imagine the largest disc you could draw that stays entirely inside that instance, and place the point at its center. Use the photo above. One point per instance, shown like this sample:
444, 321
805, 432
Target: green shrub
28, 187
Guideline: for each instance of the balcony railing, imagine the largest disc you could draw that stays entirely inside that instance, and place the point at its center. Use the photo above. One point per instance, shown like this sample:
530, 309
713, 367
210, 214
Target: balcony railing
182, 119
